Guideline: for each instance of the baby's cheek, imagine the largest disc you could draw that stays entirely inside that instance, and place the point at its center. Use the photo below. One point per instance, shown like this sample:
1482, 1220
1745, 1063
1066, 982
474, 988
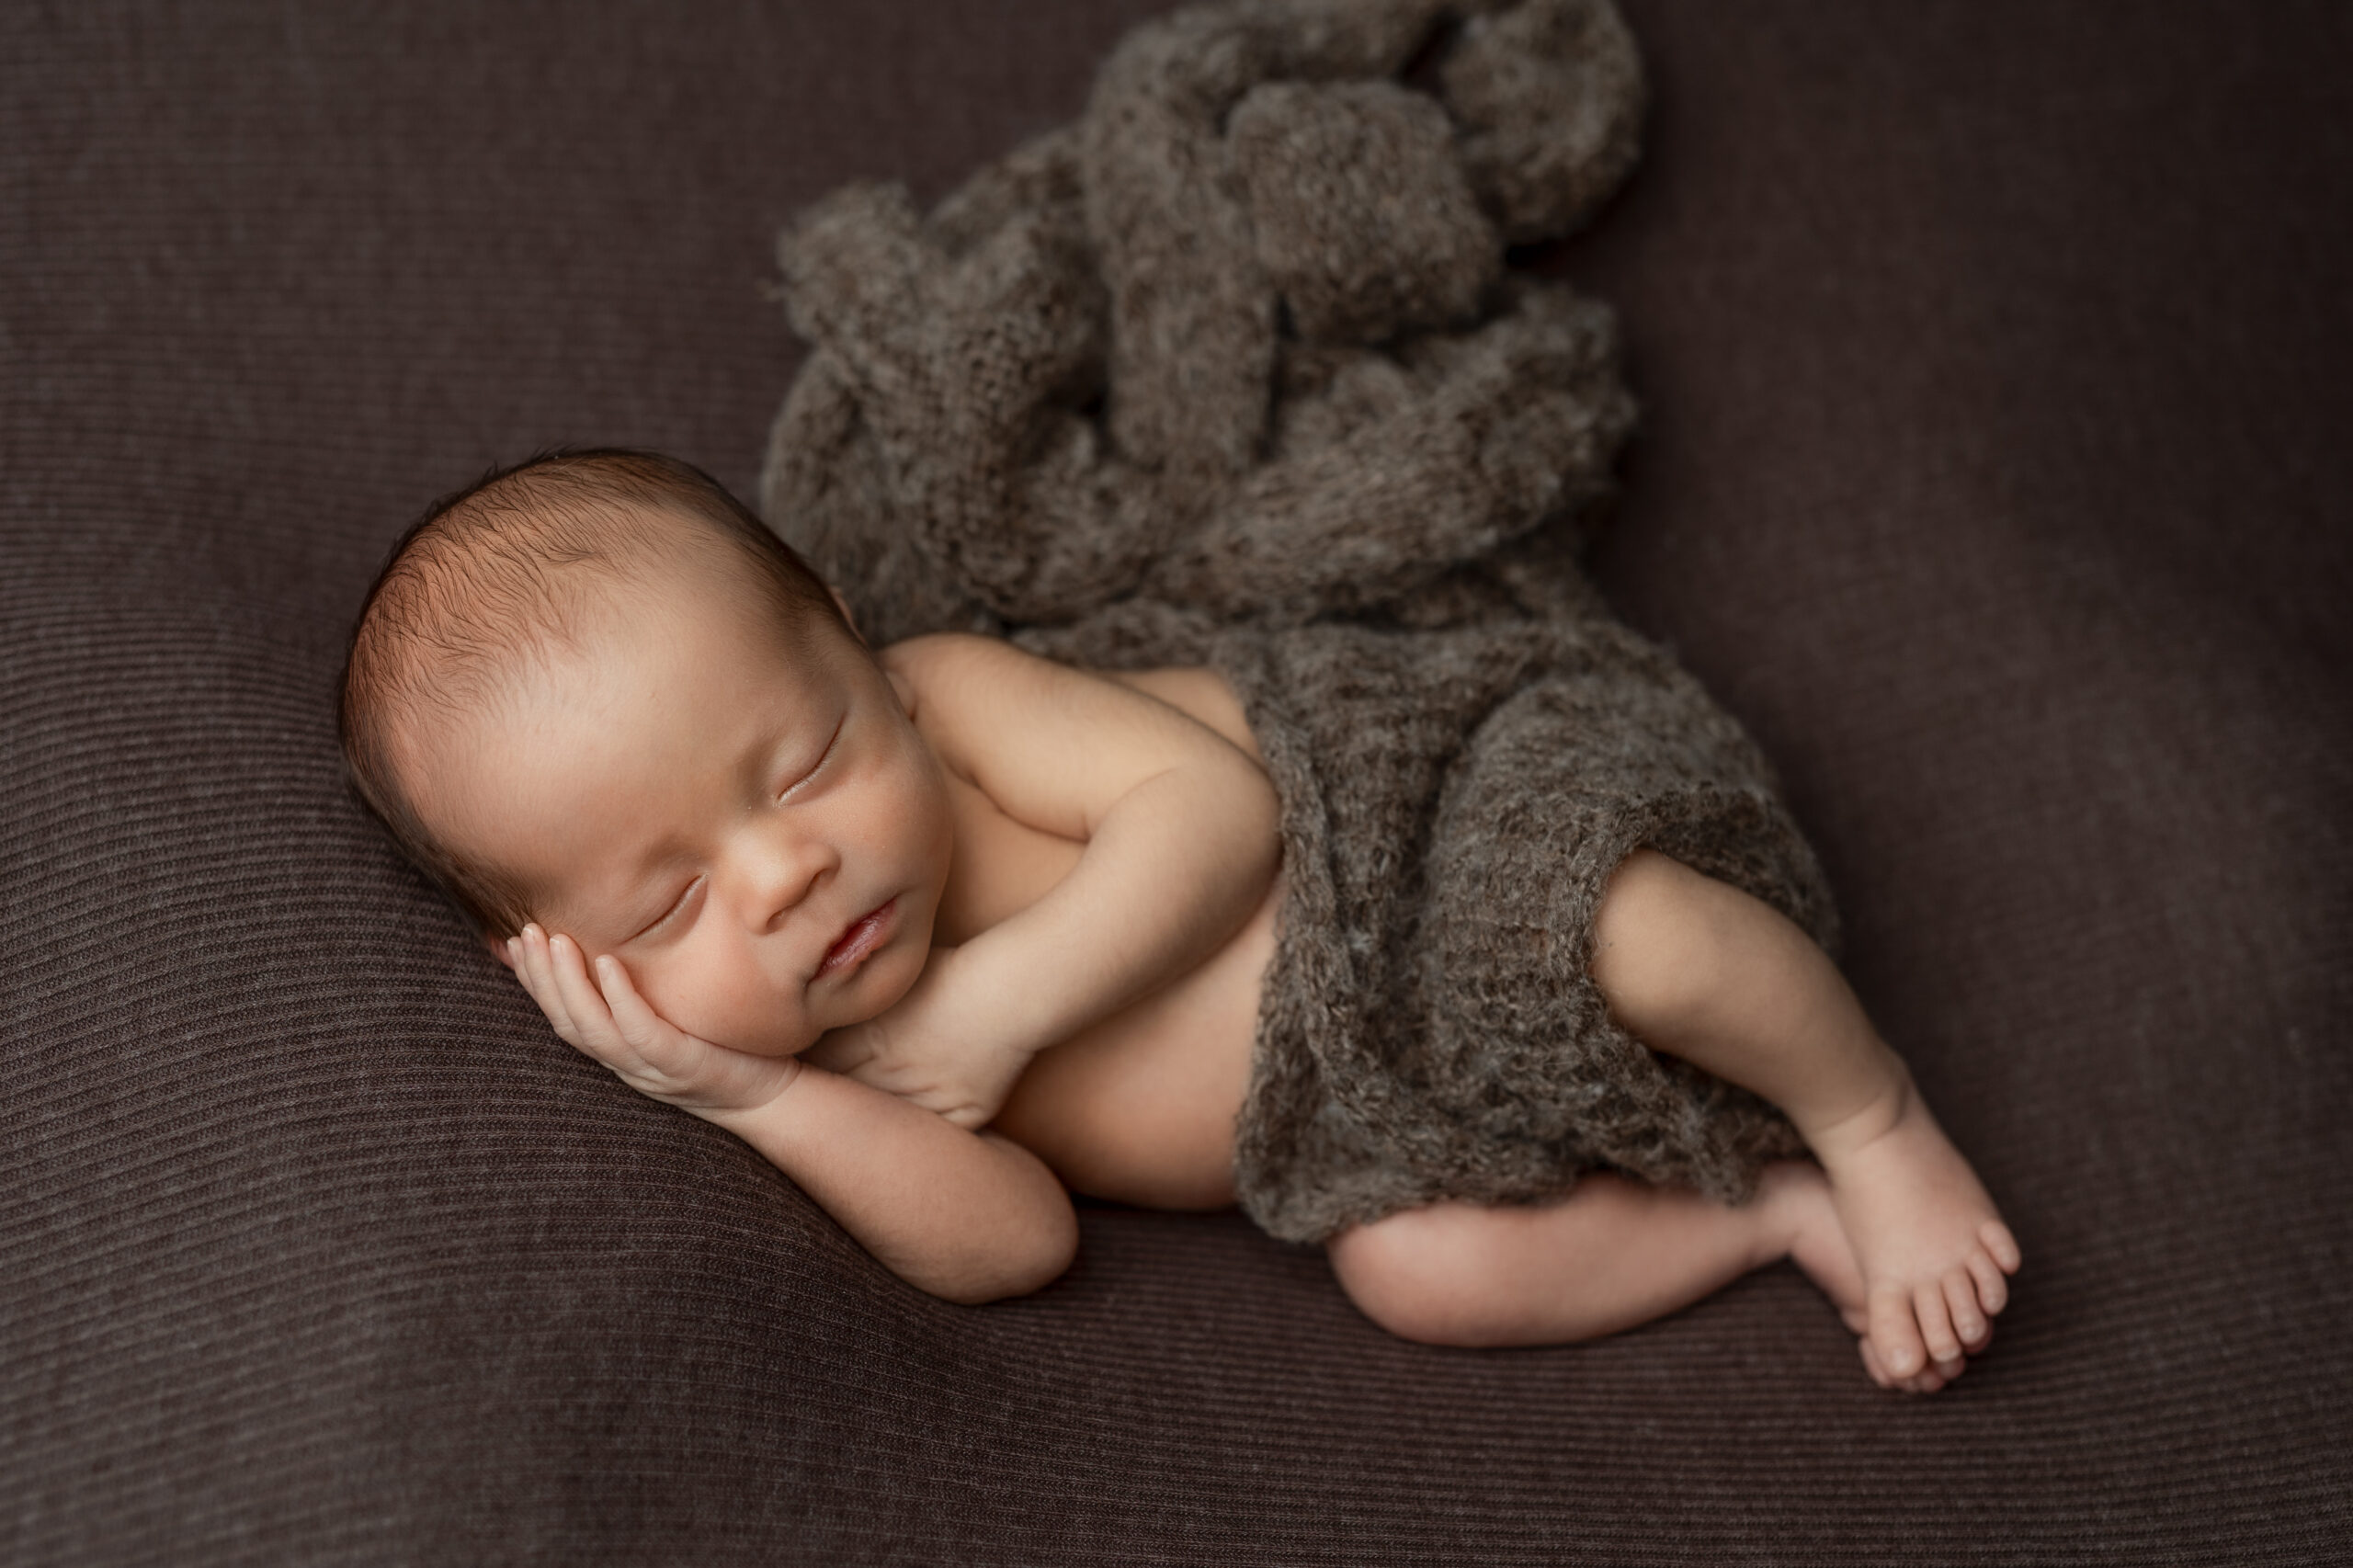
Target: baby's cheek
724, 1004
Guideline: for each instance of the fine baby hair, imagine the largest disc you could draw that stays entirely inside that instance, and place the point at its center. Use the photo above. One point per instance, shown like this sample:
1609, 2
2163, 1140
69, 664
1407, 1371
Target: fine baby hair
492, 576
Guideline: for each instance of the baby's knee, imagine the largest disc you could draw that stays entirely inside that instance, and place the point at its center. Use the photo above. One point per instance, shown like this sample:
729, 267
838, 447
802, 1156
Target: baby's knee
1653, 937
1419, 1275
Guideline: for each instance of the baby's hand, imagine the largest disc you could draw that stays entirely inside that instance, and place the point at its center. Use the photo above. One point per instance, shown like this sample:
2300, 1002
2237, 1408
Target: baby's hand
928, 1049
605, 1017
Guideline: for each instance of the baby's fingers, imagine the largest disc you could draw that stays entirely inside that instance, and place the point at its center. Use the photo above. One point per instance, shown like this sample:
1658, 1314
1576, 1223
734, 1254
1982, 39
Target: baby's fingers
585, 1004
679, 1067
655, 1037
533, 968
968, 1117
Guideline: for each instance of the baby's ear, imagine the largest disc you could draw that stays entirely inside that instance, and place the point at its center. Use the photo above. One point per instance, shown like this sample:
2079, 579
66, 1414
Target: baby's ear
848, 620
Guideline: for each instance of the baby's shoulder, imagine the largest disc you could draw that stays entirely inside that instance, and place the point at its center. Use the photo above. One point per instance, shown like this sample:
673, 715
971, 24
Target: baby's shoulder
948, 676
1028, 729
946, 656
977, 698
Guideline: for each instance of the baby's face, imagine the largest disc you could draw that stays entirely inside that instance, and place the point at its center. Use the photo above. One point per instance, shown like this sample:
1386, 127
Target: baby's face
753, 827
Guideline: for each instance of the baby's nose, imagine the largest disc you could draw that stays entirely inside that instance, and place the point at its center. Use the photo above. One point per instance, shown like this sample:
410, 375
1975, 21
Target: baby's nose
781, 869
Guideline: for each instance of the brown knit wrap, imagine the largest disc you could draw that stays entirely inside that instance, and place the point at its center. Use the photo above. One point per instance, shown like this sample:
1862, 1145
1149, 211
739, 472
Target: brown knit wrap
1232, 372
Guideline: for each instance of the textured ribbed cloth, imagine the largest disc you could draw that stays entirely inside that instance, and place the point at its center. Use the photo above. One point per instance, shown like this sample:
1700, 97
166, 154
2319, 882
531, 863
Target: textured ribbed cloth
1993, 474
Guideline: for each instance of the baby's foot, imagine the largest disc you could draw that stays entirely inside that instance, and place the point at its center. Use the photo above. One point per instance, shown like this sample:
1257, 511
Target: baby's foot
1935, 1255
1796, 1199
1799, 1197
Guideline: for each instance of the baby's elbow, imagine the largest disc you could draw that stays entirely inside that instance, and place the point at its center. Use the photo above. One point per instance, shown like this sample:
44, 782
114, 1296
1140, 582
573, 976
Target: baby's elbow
1038, 1253
1048, 1254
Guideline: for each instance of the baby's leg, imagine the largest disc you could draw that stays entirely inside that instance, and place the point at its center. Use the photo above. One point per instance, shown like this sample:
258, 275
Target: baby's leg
1612, 1253
1701, 970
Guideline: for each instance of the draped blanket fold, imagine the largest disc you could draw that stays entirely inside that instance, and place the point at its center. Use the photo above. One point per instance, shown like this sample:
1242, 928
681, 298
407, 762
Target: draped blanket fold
1233, 371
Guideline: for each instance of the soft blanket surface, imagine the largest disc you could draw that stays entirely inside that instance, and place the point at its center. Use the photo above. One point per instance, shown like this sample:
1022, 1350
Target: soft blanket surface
1231, 371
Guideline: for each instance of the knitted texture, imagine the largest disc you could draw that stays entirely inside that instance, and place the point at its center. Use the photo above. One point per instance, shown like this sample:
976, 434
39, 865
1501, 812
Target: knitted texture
1232, 372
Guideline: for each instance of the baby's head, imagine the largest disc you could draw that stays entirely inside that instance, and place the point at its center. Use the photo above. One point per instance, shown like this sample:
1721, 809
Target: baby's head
594, 692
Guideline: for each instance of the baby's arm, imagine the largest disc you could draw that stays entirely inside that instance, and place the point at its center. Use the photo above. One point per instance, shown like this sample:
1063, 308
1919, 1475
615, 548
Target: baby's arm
964, 1216
1179, 829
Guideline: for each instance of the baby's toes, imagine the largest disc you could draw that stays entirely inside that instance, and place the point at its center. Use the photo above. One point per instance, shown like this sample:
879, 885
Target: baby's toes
2002, 1245
1935, 1328
1871, 1363
1968, 1321
1895, 1330
1993, 1287
1930, 1379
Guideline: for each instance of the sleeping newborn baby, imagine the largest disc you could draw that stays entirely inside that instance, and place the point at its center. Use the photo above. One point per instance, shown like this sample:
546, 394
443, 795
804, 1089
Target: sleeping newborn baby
945, 930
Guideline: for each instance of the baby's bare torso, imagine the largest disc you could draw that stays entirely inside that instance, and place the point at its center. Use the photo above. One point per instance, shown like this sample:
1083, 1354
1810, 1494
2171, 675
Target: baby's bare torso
1140, 1108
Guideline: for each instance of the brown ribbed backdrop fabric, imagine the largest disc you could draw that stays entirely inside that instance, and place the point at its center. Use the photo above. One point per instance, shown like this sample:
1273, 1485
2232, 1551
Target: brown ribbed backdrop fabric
1994, 471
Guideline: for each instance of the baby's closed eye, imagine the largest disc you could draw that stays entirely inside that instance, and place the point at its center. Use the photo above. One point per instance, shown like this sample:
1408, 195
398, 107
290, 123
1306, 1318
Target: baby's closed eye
794, 778
670, 913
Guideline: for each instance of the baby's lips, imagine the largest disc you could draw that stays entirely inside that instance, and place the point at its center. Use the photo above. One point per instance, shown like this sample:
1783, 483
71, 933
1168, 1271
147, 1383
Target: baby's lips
858, 939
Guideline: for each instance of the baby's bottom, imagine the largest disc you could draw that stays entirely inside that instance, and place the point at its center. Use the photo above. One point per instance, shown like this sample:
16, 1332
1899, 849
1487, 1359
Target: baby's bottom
1895, 1227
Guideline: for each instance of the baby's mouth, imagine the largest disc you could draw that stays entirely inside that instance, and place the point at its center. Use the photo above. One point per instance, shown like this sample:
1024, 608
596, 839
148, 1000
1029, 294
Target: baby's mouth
865, 935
